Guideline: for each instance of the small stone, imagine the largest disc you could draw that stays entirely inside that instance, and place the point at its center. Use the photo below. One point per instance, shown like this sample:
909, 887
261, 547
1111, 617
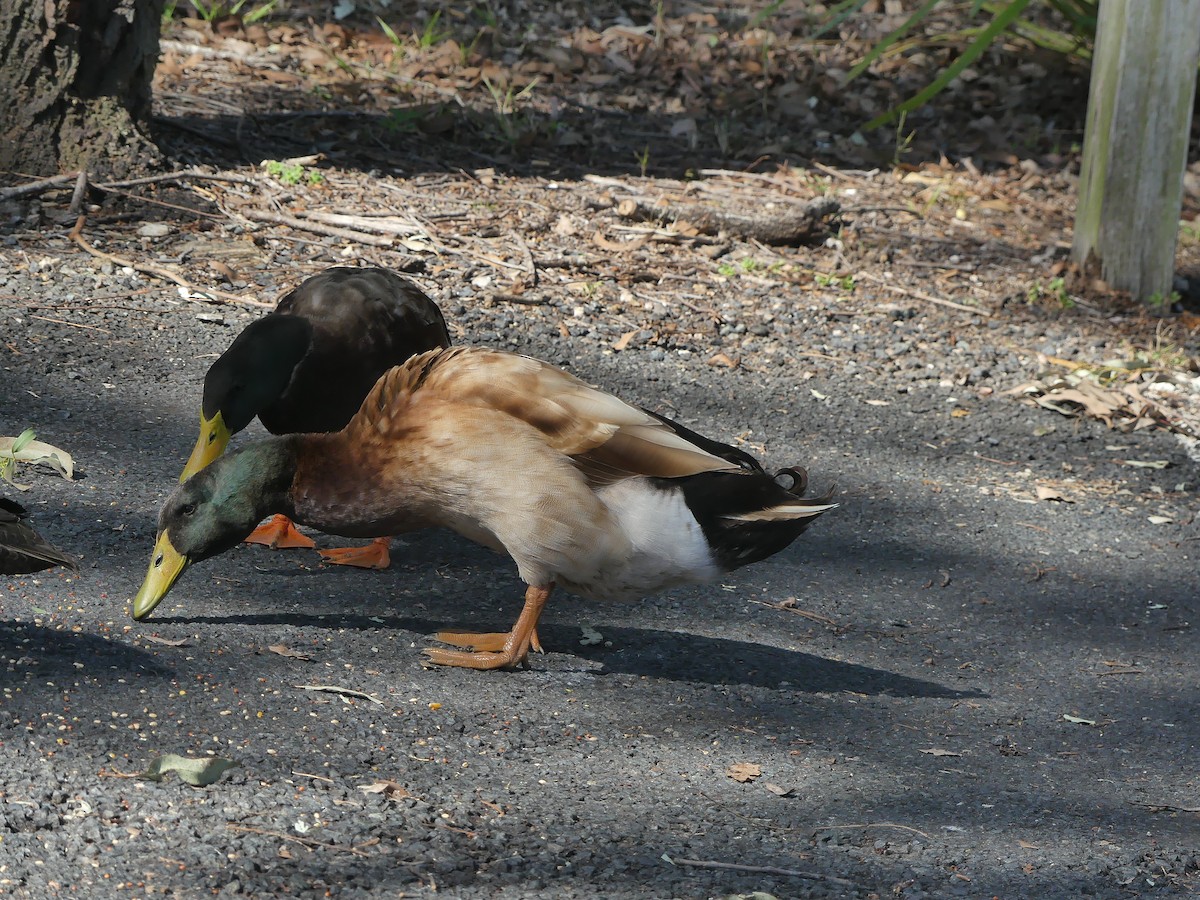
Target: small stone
154, 230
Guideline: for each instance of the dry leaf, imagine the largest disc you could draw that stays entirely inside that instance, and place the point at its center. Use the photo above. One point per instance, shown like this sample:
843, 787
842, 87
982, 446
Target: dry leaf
878, 402
743, 772
722, 359
624, 339
169, 642
284, 650
959, 413
1049, 493
938, 751
777, 790
1025, 845
1160, 520
1076, 720
1147, 463
393, 790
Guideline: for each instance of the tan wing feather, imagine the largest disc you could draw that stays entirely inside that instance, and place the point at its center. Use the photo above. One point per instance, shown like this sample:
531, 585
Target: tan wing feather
607, 438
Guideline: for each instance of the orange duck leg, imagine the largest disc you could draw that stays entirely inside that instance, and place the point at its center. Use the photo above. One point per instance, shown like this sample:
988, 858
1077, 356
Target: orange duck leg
496, 650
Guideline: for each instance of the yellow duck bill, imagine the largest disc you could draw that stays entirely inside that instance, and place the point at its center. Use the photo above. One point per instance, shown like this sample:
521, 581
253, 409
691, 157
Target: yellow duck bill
214, 438
166, 565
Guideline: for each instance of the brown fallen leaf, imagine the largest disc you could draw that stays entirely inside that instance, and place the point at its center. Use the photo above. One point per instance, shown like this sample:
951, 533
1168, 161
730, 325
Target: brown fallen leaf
623, 341
393, 790
723, 359
168, 642
938, 751
1025, 845
959, 413
743, 772
284, 650
777, 790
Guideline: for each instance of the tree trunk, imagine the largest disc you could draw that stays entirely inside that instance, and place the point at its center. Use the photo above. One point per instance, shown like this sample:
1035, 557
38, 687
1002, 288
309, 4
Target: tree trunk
75, 85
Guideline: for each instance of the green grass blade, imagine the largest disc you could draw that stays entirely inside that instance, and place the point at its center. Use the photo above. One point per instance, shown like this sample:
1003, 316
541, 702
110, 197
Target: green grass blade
838, 14
999, 24
879, 49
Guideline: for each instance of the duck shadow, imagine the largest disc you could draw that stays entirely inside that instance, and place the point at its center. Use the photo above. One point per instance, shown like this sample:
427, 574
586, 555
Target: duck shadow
47, 652
672, 655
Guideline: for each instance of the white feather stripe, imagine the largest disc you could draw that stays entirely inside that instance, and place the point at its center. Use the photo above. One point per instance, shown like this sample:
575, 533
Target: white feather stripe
782, 513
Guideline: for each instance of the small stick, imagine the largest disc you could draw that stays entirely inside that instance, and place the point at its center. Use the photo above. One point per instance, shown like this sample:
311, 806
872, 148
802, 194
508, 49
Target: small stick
77, 236
307, 842
334, 689
72, 324
261, 215
388, 225
81, 183
39, 186
928, 298
765, 870
875, 825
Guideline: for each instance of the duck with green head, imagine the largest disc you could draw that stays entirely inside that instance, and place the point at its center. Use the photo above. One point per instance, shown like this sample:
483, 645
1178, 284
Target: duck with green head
307, 366
579, 488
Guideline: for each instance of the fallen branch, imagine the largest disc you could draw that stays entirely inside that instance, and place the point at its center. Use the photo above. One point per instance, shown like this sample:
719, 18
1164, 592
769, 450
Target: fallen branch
260, 215
76, 234
928, 298
764, 870
38, 187
365, 223
785, 224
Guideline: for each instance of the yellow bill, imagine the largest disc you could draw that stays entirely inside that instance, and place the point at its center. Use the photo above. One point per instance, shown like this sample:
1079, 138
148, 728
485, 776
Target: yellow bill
214, 438
166, 565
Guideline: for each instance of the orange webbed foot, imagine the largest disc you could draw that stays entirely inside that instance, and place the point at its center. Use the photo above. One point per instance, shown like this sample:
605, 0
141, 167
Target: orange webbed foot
373, 556
495, 650
280, 534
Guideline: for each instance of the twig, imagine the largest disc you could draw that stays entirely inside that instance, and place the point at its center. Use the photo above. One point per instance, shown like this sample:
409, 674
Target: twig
364, 223
334, 689
38, 187
1166, 807
793, 224
765, 870
928, 298
72, 324
875, 825
77, 236
184, 175
311, 775
81, 183
283, 835
261, 215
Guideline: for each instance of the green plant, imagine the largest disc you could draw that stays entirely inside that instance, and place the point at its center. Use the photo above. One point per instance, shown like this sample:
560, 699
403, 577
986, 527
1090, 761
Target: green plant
292, 173
219, 9
431, 35
903, 141
643, 159
1160, 302
1055, 291
841, 282
390, 34
512, 126
1007, 16
8, 461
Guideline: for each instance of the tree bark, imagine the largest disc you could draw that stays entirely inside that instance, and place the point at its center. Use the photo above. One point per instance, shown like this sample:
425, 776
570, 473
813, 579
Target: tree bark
75, 86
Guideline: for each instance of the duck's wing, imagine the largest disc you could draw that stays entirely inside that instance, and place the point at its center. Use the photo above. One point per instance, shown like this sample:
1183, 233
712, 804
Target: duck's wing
22, 550
606, 438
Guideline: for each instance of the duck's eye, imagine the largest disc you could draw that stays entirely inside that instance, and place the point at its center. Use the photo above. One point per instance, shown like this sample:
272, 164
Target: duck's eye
188, 509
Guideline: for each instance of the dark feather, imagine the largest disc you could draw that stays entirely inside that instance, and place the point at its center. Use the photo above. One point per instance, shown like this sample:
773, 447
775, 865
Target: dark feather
22, 550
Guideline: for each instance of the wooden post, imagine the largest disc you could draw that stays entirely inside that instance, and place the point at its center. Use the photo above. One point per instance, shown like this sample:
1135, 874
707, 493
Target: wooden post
1135, 143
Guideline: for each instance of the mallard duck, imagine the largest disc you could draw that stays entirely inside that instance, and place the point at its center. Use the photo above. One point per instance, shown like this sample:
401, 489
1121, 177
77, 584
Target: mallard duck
23, 550
306, 367
578, 487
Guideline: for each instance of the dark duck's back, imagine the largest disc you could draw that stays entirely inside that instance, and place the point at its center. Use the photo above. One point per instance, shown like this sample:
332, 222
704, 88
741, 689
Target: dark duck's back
22, 550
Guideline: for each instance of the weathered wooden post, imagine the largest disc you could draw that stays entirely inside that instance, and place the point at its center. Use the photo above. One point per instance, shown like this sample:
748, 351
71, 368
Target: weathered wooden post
1135, 143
